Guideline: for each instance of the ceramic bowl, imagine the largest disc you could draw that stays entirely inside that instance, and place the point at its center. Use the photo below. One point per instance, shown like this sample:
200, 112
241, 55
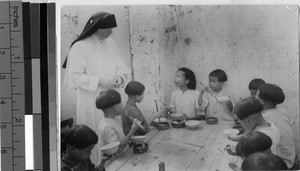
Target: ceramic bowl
211, 120
158, 120
163, 125
192, 124
110, 148
229, 132
178, 123
140, 148
138, 139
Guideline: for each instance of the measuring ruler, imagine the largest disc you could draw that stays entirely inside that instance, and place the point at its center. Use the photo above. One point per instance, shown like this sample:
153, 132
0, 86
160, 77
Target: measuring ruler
12, 83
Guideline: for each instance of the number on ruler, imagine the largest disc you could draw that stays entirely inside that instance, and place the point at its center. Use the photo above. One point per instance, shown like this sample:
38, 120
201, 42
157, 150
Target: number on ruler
18, 120
2, 52
2, 77
2, 102
3, 126
3, 151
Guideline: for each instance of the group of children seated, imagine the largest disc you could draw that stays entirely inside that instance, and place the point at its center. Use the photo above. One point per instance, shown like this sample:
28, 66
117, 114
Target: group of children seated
266, 143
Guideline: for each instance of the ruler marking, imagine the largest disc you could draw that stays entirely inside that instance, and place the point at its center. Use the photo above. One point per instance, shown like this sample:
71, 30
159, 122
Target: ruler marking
10, 67
15, 38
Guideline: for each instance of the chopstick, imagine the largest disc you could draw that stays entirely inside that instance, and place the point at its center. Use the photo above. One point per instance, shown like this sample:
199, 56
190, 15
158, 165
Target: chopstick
213, 96
156, 106
137, 123
157, 109
209, 92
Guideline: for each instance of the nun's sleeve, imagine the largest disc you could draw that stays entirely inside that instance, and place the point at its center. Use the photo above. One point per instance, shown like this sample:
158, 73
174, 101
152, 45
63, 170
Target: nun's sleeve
76, 69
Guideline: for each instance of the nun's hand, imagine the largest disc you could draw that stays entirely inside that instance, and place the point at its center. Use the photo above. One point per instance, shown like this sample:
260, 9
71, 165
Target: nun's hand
117, 81
104, 83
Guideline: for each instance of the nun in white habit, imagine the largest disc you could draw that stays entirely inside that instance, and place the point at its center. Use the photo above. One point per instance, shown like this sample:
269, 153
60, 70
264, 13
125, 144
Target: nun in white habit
94, 64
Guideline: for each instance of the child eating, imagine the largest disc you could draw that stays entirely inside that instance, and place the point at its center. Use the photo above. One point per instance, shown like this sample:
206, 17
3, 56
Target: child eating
135, 91
109, 130
263, 161
254, 85
248, 112
270, 96
184, 101
80, 141
216, 102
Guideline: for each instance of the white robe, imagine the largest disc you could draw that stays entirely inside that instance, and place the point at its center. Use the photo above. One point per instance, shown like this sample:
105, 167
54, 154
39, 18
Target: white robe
89, 61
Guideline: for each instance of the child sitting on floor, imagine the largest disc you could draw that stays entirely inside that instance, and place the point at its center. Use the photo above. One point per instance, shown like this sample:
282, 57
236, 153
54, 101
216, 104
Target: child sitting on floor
80, 141
254, 85
216, 101
135, 91
263, 161
184, 101
248, 112
270, 96
109, 130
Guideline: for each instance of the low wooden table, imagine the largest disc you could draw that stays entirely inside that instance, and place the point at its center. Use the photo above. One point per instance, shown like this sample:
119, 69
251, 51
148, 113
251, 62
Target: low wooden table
181, 149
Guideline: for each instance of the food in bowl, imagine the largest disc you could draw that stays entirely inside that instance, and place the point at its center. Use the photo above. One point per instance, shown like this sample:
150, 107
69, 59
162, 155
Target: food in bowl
178, 123
110, 148
230, 132
157, 120
211, 120
192, 124
231, 149
138, 139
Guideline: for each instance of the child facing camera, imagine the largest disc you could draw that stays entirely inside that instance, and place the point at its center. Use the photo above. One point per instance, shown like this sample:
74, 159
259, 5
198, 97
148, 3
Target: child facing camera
184, 101
109, 130
80, 141
214, 100
135, 91
270, 96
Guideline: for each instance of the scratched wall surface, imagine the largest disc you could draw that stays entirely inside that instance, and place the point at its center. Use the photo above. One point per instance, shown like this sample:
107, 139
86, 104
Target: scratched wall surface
73, 20
145, 54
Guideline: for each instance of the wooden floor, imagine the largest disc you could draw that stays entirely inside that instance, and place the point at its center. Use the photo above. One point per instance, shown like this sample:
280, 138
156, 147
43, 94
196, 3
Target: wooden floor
181, 149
